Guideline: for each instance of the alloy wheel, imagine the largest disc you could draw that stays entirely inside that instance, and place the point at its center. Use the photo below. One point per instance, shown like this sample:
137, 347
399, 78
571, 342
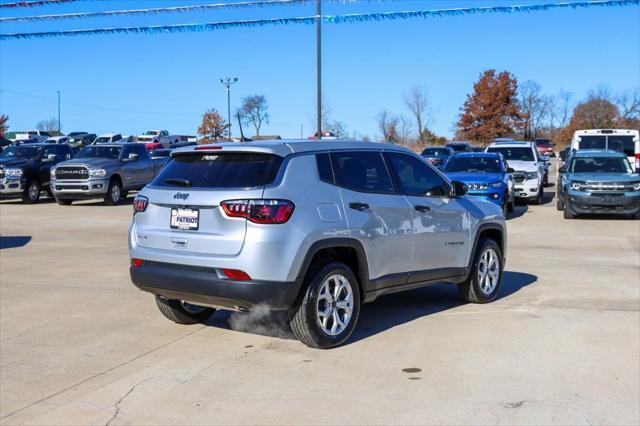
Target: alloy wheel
335, 304
488, 271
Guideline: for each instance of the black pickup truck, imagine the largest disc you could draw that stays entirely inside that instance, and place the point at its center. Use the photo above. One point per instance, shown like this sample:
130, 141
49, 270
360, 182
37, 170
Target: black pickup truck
25, 169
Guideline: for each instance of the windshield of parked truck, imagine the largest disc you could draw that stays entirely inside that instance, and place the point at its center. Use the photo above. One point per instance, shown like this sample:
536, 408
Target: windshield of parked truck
151, 133
515, 153
20, 152
93, 151
600, 165
473, 164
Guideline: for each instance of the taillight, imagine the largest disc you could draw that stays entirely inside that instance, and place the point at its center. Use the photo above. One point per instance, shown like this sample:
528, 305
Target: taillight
136, 263
637, 162
236, 274
140, 204
260, 211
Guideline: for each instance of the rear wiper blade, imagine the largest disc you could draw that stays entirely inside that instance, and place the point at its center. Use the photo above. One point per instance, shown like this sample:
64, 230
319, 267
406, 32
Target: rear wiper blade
177, 182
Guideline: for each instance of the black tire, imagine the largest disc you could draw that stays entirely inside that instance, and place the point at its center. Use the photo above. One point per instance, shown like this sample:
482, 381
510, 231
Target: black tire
31, 193
471, 290
304, 316
567, 213
64, 201
559, 205
538, 200
635, 216
124, 195
511, 205
110, 198
183, 313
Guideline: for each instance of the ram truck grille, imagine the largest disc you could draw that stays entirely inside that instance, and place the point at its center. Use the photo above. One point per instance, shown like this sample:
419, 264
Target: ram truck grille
72, 173
518, 177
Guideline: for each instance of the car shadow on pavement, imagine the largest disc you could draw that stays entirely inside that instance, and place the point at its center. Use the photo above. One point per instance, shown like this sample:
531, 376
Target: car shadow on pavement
385, 313
14, 242
396, 309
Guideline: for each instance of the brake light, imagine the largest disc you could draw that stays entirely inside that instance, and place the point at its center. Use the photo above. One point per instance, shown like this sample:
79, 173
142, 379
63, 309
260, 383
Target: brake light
140, 204
136, 263
637, 165
207, 148
236, 274
260, 211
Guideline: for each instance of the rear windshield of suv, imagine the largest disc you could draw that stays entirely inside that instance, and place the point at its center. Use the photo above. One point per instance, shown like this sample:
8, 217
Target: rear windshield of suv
436, 151
620, 143
232, 170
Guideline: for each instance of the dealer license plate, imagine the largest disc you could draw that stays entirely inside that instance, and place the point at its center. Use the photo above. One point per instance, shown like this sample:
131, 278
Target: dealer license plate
185, 219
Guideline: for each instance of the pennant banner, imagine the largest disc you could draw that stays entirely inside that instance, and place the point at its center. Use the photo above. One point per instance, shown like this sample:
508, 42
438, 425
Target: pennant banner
176, 9
33, 3
338, 19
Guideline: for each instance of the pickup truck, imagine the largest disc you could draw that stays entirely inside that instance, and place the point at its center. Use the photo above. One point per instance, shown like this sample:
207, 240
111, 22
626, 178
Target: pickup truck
34, 136
153, 138
107, 171
25, 169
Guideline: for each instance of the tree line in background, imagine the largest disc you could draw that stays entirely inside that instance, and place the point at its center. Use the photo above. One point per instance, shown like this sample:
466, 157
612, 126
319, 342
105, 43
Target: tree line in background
253, 111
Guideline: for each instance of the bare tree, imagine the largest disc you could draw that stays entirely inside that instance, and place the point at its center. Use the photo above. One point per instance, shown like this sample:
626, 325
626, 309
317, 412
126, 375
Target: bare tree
417, 100
405, 129
562, 106
254, 111
629, 104
388, 126
535, 106
47, 125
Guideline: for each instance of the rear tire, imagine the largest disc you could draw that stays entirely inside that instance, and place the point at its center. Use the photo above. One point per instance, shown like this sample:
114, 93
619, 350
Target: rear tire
511, 205
31, 193
485, 278
327, 313
183, 313
114, 193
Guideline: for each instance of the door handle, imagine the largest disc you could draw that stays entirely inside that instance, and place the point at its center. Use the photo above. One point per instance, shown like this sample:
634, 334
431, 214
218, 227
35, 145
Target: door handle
359, 206
422, 209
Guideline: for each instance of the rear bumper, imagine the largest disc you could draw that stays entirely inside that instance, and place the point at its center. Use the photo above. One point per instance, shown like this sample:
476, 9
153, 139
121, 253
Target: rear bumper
204, 286
603, 204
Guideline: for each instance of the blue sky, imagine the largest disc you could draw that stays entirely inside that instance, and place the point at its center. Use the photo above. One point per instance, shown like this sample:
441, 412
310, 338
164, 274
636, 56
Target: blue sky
131, 83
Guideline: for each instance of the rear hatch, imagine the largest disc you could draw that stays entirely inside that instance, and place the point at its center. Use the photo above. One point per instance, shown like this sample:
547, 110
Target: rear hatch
184, 212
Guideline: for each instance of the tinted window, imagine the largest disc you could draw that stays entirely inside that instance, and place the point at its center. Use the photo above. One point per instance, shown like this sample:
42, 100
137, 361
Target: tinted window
593, 142
361, 171
96, 151
117, 138
517, 153
459, 147
623, 144
20, 152
436, 151
142, 151
416, 178
203, 170
324, 167
474, 164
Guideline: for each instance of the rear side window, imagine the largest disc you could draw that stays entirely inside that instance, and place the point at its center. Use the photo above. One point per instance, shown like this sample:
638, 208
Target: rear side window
593, 142
622, 144
324, 167
232, 170
142, 152
361, 171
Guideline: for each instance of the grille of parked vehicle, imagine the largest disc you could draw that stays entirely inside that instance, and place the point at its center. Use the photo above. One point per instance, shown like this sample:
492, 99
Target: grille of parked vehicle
518, 177
72, 173
604, 186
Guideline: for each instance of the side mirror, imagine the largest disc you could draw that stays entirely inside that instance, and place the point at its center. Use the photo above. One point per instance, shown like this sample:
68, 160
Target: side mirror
49, 158
562, 169
131, 157
459, 189
510, 170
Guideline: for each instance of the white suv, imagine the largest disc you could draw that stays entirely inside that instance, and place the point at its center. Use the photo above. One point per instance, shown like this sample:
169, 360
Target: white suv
528, 176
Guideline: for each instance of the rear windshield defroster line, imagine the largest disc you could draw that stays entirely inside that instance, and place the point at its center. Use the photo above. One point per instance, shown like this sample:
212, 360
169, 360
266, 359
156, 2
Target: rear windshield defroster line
220, 170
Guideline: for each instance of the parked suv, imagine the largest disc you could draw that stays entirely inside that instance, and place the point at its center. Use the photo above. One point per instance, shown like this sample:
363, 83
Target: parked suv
598, 181
312, 228
529, 169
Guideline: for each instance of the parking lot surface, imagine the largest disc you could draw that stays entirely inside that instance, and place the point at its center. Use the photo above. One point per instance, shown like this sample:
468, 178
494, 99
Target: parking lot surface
79, 344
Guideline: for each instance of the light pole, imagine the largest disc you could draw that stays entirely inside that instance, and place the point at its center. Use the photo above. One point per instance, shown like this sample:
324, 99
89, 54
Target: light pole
227, 82
59, 126
319, 66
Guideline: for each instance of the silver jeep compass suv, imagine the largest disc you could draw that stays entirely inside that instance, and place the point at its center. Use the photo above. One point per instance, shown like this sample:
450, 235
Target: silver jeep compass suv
315, 228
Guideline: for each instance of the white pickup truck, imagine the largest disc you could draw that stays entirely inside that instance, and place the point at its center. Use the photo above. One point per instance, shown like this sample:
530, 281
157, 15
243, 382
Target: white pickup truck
36, 136
162, 137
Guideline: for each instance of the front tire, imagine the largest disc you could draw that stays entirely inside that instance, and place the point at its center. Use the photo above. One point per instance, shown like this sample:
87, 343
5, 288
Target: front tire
31, 193
538, 200
567, 213
182, 312
114, 193
511, 206
485, 278
559, 205
327, 314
